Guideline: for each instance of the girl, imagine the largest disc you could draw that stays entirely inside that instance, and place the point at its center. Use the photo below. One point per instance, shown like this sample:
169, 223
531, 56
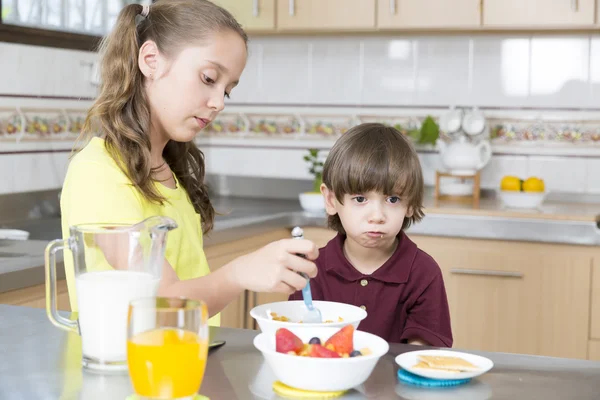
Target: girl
165, 72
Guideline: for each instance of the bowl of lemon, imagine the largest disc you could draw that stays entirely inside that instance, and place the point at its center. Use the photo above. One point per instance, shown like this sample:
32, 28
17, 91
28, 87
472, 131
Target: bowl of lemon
520, 193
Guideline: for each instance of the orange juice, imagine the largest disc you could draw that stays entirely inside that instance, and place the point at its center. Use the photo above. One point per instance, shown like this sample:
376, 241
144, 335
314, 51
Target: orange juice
166, 363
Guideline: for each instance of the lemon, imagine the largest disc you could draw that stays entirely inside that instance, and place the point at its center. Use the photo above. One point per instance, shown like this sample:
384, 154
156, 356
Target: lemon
533, 184
511, 183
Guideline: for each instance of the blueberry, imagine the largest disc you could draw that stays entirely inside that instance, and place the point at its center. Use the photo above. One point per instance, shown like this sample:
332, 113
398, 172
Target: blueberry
314, 340
355, 353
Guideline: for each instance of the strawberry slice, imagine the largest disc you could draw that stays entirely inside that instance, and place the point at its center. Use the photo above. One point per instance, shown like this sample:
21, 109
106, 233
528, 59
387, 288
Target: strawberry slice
342, 340
316, 350
286, 341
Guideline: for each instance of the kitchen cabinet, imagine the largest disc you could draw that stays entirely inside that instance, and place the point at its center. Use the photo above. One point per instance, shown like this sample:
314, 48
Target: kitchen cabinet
273, 16
325, 15
35, 296
253, 15
538, 13
428, 14
595, 308
516, 297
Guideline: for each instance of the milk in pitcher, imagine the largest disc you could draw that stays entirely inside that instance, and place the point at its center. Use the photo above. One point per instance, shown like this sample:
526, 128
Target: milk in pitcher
103, 299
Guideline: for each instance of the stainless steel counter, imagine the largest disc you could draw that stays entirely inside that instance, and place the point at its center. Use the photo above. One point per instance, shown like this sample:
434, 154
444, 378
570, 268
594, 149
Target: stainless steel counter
39, 361
21, 263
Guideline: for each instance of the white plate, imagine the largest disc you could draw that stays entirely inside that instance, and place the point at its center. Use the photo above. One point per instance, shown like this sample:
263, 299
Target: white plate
408, 360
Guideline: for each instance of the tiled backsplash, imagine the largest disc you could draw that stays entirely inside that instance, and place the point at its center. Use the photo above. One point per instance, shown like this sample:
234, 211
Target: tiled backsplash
557, 73
485, 70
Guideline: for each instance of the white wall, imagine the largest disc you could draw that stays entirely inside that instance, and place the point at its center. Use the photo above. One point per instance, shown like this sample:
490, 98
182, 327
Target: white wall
44, 71
495, 71
486, 70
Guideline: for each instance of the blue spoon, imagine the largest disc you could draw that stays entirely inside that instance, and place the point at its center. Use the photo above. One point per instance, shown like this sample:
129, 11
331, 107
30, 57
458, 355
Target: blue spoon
313, 316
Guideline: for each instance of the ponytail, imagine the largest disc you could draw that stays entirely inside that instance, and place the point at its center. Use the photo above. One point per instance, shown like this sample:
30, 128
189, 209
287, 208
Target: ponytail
121, 113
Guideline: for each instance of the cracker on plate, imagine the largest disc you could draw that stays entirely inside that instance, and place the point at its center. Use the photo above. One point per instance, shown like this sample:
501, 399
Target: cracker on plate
447, 363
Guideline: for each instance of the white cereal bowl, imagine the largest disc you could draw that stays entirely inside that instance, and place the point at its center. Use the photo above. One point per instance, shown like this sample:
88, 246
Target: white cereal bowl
312, 201
523, 200
322, 374
295, 310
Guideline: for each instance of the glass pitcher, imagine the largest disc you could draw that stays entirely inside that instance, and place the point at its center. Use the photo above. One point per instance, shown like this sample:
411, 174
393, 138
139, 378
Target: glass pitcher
113, 264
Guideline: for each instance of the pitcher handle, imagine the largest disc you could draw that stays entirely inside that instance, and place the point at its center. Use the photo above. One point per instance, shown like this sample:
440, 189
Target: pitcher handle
485, 149
51, 295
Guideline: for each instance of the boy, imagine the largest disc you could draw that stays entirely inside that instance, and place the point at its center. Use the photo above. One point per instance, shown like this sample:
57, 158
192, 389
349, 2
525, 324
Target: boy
373, 190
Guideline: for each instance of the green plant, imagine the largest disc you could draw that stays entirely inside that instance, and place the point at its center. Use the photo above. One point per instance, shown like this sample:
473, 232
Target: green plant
428, 133
315, 168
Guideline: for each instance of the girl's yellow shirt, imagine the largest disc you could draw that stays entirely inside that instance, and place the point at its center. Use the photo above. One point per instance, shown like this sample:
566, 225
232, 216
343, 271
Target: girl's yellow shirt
95, 190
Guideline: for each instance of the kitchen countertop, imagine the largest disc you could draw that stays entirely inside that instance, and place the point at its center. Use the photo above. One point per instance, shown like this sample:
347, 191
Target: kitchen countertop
41, 361
558, 221
554, 208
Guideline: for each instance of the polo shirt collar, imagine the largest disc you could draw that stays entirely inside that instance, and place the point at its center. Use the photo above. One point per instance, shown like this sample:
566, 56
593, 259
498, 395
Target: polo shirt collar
395, 270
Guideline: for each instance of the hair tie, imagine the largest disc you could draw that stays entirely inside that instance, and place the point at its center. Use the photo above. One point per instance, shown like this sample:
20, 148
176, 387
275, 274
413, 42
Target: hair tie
145, 11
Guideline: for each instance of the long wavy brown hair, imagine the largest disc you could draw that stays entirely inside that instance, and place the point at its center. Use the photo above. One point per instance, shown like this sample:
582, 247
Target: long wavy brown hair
121, 113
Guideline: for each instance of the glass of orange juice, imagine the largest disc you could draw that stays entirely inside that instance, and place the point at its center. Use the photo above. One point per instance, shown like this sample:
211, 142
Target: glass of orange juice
167, 347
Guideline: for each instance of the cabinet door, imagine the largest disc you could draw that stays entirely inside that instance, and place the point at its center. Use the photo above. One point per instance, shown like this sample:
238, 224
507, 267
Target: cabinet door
428, 13
323, 15
549, 13
35, 296
253, 15
515, 297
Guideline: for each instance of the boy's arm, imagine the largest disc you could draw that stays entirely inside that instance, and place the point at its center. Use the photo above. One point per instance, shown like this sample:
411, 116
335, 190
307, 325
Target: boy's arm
429, 319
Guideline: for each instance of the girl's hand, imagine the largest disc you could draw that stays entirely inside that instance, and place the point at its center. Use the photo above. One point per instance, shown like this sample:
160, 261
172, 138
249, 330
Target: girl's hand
273, 267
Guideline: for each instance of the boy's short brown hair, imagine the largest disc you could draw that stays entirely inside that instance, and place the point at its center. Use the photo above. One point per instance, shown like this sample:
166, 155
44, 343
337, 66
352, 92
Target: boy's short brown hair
375, 157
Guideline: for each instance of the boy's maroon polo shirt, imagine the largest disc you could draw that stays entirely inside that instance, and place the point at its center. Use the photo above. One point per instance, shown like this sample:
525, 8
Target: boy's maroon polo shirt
404, 299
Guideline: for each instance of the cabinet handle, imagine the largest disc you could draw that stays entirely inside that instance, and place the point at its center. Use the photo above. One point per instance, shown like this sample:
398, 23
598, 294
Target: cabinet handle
292, 7
255, 8
393, 7
504, 274
575, 5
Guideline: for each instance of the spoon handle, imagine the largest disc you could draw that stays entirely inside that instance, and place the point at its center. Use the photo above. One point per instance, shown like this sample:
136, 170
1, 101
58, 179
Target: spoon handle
298, 233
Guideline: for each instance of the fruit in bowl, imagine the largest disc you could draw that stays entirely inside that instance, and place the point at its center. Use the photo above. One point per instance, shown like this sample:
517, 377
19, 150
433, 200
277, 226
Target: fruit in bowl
340, 345
518, 193
289, 314
342, 358
515, 184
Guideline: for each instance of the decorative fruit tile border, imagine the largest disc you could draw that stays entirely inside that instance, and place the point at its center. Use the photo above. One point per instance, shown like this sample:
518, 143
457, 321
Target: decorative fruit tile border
56, 124
11, 124
36, 124
545, 131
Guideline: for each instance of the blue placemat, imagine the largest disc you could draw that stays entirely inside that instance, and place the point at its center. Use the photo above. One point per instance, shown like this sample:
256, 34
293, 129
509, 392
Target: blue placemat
409, 377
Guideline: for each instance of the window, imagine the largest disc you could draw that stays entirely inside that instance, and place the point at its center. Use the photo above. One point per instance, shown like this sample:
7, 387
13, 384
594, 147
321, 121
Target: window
76, 24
